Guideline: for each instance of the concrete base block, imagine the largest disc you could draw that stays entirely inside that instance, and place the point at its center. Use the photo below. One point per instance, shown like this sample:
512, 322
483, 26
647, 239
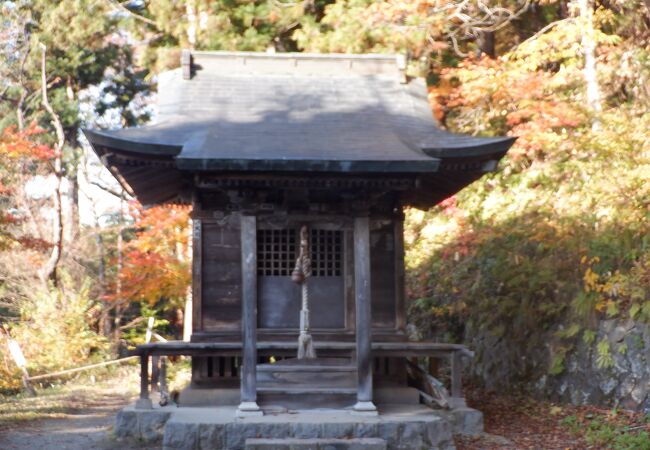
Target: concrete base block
364, 409
145, 425
249, 409
467, 421
143, 403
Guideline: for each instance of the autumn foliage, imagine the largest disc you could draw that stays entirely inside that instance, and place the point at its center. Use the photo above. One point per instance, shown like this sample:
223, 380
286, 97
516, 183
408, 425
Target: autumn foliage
156, 262
21, 154
535, 256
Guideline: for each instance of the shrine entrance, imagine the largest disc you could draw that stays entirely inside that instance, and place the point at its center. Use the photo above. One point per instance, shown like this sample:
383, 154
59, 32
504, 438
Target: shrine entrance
279, 298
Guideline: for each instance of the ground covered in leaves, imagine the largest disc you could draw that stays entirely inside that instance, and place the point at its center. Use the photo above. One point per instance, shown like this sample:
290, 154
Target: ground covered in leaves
520, 422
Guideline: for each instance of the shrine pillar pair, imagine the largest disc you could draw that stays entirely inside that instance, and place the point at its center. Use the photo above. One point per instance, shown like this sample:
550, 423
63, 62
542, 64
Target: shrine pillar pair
363, 328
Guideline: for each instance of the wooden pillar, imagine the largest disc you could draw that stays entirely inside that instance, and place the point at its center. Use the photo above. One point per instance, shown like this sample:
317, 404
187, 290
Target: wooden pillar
197, 286
364, 403
197, 269
400, 304
144, 402
248, 374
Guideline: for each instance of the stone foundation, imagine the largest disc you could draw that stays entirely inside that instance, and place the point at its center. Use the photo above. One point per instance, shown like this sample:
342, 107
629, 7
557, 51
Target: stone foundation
401, 427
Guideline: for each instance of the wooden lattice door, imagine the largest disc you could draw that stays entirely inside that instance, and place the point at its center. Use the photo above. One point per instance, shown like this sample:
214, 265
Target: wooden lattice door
279, 298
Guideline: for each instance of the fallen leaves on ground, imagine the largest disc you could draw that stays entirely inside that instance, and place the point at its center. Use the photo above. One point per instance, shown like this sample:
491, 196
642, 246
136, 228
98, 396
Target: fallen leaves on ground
522, 423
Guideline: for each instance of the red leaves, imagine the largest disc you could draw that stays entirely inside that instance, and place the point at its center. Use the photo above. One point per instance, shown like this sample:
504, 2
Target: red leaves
33, 243
508, 97
18, 150
17, 145
449, 205
156, 263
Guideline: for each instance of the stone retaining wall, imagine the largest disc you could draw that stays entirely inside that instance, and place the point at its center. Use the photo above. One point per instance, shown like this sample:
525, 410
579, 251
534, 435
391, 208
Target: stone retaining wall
623, 382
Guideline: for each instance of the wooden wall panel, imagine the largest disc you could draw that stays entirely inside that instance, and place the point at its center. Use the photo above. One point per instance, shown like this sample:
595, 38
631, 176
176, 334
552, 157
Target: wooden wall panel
382, 267
221, 275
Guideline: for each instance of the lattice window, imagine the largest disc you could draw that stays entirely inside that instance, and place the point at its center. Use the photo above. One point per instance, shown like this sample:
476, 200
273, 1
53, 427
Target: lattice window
326, 252
276, 252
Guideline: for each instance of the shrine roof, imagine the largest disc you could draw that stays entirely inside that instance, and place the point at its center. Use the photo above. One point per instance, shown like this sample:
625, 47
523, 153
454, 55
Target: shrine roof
242, 111
258, 111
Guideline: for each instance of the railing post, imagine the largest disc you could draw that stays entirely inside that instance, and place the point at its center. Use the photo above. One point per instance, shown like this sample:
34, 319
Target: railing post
155, 372
457, 399
144, 402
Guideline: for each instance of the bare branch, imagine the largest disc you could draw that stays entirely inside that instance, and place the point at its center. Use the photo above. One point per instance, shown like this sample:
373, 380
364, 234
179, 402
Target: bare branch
116, 193
544, 30
58, 127
132, 323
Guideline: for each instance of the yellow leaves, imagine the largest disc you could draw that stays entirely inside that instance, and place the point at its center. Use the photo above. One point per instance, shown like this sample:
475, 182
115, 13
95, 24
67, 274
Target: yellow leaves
590, 279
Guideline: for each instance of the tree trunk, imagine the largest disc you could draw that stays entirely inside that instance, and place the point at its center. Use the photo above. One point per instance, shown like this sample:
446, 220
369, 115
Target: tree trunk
585, 14
75, 225
487, 43
49, 270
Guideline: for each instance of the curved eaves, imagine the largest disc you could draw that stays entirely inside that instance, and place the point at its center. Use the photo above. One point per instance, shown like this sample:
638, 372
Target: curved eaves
449, 146
120, 140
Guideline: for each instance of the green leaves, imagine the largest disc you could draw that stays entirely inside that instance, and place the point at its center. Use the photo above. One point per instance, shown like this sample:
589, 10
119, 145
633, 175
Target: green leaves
604, 358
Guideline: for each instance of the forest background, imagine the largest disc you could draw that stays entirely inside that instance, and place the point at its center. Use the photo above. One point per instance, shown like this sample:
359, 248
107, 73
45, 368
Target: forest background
533, 259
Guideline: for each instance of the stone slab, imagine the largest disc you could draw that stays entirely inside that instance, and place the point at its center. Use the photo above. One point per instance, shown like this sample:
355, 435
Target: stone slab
315, 444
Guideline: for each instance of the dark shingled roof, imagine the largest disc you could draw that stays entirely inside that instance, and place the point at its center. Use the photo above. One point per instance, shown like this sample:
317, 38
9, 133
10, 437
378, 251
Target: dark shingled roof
295, 112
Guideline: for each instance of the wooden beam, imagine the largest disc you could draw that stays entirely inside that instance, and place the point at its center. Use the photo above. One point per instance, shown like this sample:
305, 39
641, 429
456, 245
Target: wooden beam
248, 375
364, 403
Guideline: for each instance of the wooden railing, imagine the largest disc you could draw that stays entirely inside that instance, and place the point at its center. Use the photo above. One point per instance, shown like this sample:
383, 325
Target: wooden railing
453, 353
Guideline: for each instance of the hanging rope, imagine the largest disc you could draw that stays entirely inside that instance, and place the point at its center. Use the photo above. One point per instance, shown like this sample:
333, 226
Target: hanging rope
300, 275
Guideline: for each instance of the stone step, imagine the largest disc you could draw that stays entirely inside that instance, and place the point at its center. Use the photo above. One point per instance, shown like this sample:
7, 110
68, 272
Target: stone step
307, 373
316, 444
307, 399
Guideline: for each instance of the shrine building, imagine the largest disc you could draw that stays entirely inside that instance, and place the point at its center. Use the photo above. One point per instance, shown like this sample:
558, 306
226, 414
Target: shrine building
298, 168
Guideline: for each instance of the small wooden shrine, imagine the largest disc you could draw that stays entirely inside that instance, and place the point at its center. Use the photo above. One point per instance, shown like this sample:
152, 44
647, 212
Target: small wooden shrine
298, 168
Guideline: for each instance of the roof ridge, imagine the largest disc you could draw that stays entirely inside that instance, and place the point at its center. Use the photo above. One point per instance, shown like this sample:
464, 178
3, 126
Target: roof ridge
291, 62
298, 55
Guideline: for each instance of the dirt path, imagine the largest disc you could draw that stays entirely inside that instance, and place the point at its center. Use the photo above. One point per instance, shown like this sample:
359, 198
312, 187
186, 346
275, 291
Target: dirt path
78, 417
89, 429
